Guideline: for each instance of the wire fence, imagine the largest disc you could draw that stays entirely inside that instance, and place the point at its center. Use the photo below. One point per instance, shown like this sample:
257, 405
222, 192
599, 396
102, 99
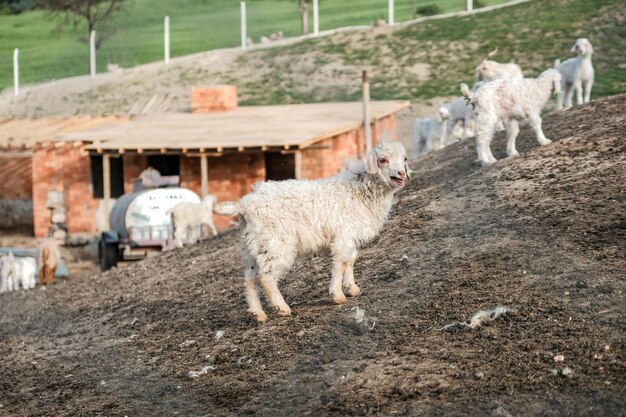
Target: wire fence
194, 26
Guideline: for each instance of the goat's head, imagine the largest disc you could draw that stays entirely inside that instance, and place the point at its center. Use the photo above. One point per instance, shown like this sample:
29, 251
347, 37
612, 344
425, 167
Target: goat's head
388, 160
485, 70
443, 113
583, 47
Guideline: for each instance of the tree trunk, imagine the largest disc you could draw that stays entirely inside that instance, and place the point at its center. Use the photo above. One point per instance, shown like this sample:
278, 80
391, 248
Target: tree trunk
304, 11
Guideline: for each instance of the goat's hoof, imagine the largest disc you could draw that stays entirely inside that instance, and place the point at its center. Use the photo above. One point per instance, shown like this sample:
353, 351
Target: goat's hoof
353, 290
260, 316
545, 142
339, 298
283, 311
513, 154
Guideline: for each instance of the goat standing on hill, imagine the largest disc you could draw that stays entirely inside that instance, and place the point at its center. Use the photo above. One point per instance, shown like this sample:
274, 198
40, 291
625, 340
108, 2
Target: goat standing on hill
510, 101
286, 219
575, 72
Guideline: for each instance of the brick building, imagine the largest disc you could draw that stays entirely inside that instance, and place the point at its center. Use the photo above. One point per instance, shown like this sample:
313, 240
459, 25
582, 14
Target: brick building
222, 149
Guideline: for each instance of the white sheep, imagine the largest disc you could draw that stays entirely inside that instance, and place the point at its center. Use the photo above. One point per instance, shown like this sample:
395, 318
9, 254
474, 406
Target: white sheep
575, 72
429, 134
187, 217
286, 219
489, 70
510, 101
48, 257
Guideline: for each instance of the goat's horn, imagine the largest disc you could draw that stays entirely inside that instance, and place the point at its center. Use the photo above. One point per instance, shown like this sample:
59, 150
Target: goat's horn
492, 53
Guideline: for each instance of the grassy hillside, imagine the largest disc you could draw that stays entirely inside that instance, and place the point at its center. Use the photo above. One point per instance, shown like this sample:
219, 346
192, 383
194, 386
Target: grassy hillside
430, 59
196, 25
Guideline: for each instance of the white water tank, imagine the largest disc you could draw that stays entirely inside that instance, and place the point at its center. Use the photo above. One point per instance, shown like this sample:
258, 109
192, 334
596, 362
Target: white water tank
141, 215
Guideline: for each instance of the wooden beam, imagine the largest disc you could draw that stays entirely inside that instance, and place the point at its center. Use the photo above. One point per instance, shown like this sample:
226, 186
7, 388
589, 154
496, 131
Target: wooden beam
286, 147
241, 148
77, 143
106, 177
204, 175
264, 148
100, 150
121, 151
140, 150
298, 163
220, 149
163, 150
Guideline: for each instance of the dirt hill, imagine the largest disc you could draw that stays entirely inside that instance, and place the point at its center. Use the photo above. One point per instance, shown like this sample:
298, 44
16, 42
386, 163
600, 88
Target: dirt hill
543, 234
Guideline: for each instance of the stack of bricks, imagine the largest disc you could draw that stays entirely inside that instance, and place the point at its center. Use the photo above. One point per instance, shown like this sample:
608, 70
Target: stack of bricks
216, 98
63, 169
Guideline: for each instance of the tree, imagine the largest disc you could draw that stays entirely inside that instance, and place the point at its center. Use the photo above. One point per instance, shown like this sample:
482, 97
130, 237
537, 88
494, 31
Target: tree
97, 14
304, 13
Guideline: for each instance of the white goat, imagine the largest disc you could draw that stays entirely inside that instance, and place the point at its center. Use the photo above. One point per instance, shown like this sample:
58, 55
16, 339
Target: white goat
7, 265
429, 134
48, 257
510, 101
286, 219
575, 72
491, 70
459, 112
25, 270
187, 217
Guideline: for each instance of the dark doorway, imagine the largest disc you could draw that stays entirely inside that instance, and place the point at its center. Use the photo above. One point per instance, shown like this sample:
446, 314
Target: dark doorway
280, 166
165, 164
97, 179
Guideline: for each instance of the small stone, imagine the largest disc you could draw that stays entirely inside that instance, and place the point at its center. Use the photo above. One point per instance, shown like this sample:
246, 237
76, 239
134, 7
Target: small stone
567, 371
479, 375
559, 358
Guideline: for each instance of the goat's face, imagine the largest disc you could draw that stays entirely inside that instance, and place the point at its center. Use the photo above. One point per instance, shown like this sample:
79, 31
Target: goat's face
389, 160
485, 71
443, 113
583, 47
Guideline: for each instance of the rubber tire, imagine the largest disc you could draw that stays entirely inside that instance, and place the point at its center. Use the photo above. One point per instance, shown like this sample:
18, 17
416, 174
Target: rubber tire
108, 254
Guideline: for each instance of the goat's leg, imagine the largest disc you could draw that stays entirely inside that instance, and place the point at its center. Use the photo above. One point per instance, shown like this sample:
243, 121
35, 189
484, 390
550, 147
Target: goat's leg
252, 290
269, 283
578, 86
213, 229
512, 130
535, 122
588, 85
349, 286
178, 236
49, 275
484, 135
41, 275
568, 93
339, 267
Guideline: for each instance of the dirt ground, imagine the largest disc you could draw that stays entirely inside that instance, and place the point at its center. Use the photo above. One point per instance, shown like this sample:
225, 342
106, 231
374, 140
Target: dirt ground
543, 234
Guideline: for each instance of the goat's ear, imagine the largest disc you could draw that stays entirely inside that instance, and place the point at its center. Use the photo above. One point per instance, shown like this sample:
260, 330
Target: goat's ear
408, 170
369, 162
574, 47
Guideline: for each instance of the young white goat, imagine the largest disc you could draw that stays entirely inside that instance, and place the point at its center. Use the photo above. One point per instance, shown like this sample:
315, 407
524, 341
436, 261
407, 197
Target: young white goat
7, 265
286, 219
575, 72
510, 101
491, 70
187, 217
459, 112
429, 134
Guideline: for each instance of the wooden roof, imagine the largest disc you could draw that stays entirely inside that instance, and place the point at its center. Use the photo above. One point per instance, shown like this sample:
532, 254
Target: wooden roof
284, 126
17, 134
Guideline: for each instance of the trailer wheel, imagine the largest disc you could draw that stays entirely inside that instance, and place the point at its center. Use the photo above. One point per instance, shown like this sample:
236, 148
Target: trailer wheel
108, 253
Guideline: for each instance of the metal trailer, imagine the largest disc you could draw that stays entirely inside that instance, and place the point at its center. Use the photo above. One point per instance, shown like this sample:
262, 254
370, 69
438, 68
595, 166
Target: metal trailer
139, 224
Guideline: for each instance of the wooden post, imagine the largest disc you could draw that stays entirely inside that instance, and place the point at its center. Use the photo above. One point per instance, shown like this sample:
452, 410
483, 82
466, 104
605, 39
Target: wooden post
298, 163
470, 5
106, 185
244, 28
166, 44
16, 72
367, 128
316, 17
92, 54
391, 13
204, 174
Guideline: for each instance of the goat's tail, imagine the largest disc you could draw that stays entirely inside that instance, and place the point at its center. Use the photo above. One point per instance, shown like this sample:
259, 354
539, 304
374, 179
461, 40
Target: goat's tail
467, 93
228, 208
557, 62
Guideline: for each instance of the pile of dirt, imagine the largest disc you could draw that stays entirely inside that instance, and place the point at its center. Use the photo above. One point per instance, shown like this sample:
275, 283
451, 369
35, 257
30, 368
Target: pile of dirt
543, 234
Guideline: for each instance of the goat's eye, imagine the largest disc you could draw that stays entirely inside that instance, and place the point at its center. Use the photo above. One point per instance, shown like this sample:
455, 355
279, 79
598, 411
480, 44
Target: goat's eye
382, 160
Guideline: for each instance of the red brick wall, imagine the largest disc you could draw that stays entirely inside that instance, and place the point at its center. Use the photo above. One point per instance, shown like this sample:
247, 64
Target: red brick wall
16, 176
328, 161
133, 165
213, 98
230, 177
63, 169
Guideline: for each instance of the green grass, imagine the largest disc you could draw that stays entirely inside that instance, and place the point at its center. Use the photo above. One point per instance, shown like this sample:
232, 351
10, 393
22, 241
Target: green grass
196, 25
531, 34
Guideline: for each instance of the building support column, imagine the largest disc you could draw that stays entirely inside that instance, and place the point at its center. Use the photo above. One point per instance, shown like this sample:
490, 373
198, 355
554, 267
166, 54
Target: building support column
106, 177
298, 164
204, 175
